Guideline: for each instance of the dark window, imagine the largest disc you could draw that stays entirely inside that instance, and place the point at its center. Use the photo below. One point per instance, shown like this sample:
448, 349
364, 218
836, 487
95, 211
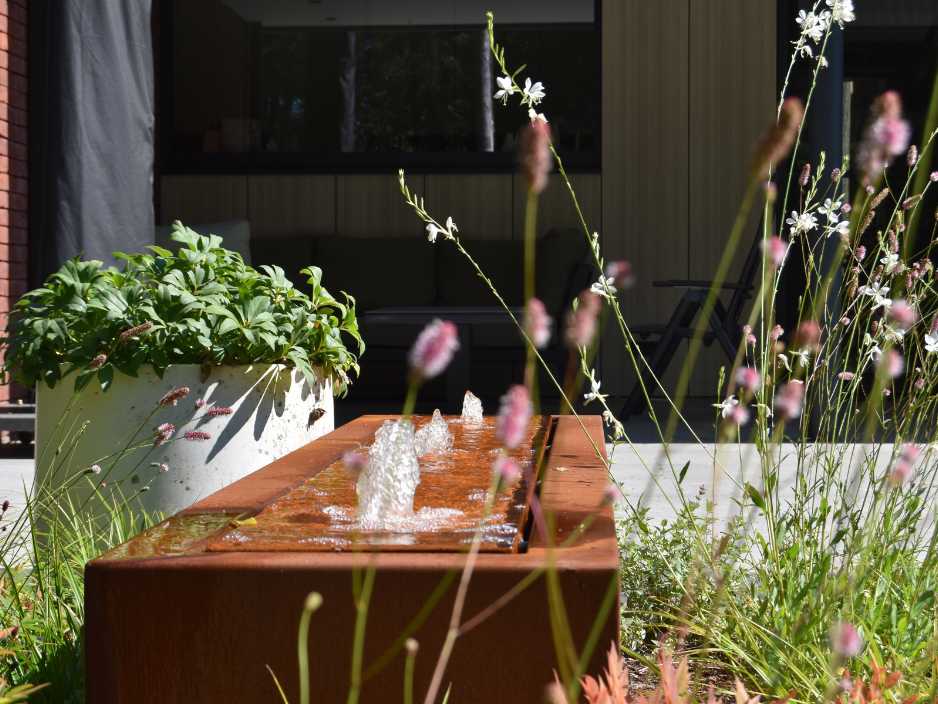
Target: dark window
349, 84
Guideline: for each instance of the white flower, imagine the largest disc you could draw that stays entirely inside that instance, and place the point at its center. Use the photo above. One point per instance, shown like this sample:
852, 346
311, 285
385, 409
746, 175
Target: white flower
532, 93
822, 61
841, 11
594, 394
534, 115
875, 352
893, 335
931, 342
604, 287
803, 49
841, 228
880, 295
506, 87
831, 209
805, 222
890, 262
433, 230
726, 408
813, 25
803, 356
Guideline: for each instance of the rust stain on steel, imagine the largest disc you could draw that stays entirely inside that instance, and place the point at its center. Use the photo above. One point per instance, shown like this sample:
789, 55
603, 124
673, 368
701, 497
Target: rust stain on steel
320, 514
204, 626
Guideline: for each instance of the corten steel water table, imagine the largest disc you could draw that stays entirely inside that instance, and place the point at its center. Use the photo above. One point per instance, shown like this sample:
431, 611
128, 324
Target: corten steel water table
196, 608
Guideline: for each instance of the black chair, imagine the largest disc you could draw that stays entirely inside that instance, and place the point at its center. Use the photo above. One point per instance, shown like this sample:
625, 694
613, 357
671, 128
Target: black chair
724, 325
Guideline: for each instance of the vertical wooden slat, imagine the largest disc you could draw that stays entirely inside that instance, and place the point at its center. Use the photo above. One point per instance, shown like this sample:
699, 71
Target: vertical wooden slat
645, 149
280, 206
203, 199
555, 208
480, 204
732, 101
370, 205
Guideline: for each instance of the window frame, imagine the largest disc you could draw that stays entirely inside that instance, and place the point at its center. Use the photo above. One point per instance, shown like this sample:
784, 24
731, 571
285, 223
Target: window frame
169, 163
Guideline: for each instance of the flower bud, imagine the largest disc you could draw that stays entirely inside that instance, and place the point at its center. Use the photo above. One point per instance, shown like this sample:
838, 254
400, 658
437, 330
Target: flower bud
434, 349
534, 154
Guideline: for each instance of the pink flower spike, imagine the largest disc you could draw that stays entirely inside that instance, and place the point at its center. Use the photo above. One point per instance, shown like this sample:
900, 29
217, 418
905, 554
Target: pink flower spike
777, 332
219, 411
172, 397
196, 435
808, 335
788, 399
846, 640
621, 274
846, 376
860, 253
534, 154
892, 364
537, 323
748, 378
434, 348
164, 432
514, 415
903, 314
612, 495
581, 323
775, 249
507, 471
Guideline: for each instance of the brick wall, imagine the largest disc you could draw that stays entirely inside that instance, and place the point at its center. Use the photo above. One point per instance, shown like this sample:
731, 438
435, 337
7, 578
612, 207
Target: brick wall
13, 159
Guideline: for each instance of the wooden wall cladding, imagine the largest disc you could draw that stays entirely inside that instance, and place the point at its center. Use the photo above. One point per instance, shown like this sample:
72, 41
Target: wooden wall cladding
370, 205
645, 149
203, 199
733, 100
284, 205
480, 204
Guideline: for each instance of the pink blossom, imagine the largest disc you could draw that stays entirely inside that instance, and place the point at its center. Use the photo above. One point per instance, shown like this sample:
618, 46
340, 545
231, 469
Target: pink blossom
507, 470
621, 274
905, 465
200, 402
98, 361
196, 435
933, 177
748, 378
135, 331
164, 432
860, 253
354, 460
846, 376
172, 397
514, 415
434, 348
163, 467
919, 383
581, 323
846, 640
808, 335
775, 249
903, 314
534, 154
739, 414
778, 140
886, 136
892, 363
219, 411
776, 333
788, 399
612, 495
911, 156
537, 323
750, 339
845, 321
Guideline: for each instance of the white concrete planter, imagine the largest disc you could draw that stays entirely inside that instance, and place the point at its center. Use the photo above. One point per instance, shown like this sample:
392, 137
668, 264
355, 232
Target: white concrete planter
273, 412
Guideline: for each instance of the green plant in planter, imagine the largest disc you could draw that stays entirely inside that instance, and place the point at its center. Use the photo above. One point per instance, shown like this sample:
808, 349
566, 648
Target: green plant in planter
200, 305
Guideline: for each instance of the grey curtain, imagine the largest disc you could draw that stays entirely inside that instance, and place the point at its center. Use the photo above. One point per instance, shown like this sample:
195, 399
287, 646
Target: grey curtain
92, 158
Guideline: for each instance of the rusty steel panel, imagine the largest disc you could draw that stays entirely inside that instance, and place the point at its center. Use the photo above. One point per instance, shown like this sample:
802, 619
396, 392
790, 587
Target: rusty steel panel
167, 619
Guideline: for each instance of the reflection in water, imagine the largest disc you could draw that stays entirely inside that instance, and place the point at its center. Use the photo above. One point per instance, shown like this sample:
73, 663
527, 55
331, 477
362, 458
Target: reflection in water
448, 505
